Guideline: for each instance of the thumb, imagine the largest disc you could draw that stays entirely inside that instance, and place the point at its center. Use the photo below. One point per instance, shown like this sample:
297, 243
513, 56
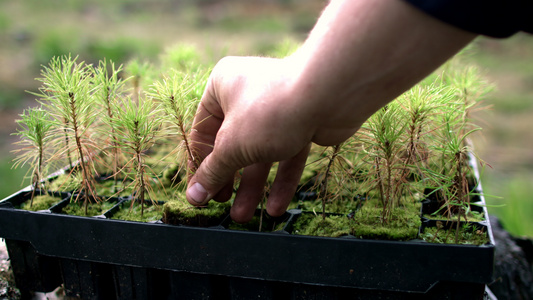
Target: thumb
213, 179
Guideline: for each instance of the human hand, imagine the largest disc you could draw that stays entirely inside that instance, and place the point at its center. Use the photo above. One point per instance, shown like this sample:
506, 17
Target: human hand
248, 118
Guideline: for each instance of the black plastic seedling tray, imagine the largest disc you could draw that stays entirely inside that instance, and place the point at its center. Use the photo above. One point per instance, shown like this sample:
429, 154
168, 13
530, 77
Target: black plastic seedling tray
92, 256
102, 258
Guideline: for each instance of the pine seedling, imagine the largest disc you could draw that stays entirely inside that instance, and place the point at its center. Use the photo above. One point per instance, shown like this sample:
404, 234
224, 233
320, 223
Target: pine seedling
67, 94
137, 129
179, 96
382, 139
108, 89
137, 71
470, 89
34, 131
334, 176
323, 191
419, 106
452, 178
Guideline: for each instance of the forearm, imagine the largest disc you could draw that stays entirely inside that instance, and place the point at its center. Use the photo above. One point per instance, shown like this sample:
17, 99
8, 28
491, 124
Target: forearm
361, 55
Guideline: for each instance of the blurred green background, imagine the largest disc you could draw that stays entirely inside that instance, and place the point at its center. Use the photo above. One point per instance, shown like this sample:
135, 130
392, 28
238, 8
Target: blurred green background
32, 31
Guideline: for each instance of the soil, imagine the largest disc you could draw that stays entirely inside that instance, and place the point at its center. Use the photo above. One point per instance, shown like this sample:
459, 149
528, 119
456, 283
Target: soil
7, 286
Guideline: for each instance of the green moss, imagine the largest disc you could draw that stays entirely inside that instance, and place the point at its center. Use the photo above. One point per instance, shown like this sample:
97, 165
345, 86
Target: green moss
402, 225
109, 189
366, 223
472, 216
179, 211
65, 183
339, 206
40, 202
468, 235
94, 209
69, 182
331, 226
152, 212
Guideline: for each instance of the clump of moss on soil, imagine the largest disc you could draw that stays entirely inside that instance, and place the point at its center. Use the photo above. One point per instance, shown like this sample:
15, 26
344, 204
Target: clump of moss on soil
68, 183
316, 225
403, 224
471, 216
179, 211
365, 223
339, 206
64, 183
468, 235
151, 212
77, 208
40, 202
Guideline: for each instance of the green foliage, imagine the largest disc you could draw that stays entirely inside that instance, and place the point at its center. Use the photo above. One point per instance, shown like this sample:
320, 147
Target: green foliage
137, 126
179, 93
382, 135
108, 83
109, 87
34, 131
138, 130
96, 123
419, 142
67, 93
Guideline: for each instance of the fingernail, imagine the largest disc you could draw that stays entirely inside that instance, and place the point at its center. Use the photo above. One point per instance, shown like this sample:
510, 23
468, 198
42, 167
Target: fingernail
198, 193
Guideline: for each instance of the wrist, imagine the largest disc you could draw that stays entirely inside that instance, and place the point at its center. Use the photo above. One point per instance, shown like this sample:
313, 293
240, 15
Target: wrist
363, 54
